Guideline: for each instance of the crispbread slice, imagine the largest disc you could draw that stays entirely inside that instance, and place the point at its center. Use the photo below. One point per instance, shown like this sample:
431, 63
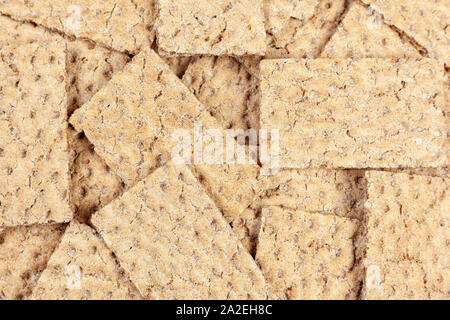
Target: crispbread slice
363, 34
24, 252
344, 113
339, 192
226, 89
34, 178
215, 27
425, 21
407, 237
120, 24
131, 120
307, 256
174, 242
83, 268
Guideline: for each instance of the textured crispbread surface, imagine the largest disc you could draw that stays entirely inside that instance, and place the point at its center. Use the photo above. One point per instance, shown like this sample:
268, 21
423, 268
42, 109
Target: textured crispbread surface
246, 227
307, 256
93, 185
215, 27
89, 68
24, 252
383, 112
131, 120
173, 241
226, 89
120, 24
339, 192
425, 21
363, 34
232, 187
83, 268
408, 237
34, 177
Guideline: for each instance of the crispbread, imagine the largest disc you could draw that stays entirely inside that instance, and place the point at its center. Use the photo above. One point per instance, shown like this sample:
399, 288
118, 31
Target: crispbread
24, 252
425, 21
372, 120
173, 241
89, 68
83, 268
130, 121
93, 184
339, 192
120, 24
226, 89
307, 256
34, 178
408, 237
214, 27
363, 34
246, 226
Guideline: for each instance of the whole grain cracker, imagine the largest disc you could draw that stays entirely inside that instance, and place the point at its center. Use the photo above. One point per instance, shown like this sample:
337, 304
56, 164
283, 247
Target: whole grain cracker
33, 139
425, 21
175, 244
338, 192
363, 34
307, 256
226, 89
24, 252
383, 113
407, 237
130, 121
120, 24
214, 27
83, 268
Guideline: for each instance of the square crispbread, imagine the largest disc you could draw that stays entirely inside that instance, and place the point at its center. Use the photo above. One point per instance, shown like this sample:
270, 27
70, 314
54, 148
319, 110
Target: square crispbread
424, 21
363, 34
34, 178
120, 24
83, 268
214, 27
174, 243
226, 89
408, 237
89, 67
383, 112
307, 255
338, 192
93, 185
131, 120
24, 252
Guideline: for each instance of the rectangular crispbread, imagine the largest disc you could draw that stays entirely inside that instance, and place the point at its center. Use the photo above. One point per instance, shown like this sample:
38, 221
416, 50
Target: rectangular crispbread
407, 237
174, 243
83, 268
306, 255
34, 174
344, 113
120, 24
24, 252
339, 192
131, 120
426, 22
214, 27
